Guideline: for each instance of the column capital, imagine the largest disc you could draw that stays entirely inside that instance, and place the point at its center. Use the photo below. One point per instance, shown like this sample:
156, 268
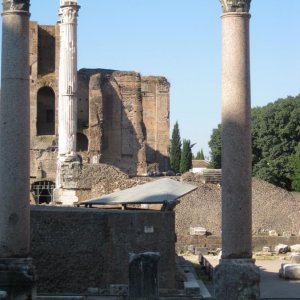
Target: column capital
235, 6
18, 5
69, 13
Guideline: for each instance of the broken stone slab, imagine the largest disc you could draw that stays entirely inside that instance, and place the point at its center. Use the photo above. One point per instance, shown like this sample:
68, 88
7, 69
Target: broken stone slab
282, 248
295, 258
273, 233
295, 248
266, 249
191, 288
287, 234
197, 231
290, 271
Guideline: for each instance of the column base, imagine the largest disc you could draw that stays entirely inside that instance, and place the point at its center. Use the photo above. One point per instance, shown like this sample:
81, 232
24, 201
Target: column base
237, 279
16, 279
65, 197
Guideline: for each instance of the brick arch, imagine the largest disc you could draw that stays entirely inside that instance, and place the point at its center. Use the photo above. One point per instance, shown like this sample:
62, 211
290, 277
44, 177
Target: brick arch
45, 117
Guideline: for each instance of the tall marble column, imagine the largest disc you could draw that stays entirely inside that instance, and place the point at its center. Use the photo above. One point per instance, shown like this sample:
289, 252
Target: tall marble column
67, 110
236, 277
67, 103
16, 277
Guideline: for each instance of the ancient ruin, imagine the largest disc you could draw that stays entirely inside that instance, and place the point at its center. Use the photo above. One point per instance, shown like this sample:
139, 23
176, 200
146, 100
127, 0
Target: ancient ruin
122, 119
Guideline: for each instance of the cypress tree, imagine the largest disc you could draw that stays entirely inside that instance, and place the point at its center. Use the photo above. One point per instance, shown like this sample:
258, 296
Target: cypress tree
175, 149
186, 156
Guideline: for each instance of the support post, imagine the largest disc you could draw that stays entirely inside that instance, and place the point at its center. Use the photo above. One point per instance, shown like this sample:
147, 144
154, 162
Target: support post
16, 271
236, 277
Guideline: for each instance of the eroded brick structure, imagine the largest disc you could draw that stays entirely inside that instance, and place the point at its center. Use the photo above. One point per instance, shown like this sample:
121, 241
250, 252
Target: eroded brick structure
122, 117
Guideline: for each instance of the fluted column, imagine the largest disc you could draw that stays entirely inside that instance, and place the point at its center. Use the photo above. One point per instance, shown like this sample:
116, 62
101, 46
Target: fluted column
15, 267
236, 277
67, 110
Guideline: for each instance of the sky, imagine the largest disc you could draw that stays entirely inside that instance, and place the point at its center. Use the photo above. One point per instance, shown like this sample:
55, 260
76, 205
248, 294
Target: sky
181, 40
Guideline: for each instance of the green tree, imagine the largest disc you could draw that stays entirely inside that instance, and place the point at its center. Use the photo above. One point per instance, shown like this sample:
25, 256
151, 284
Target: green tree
294, 164
215, 148
175, 149
186, 156
199, 155
275, 143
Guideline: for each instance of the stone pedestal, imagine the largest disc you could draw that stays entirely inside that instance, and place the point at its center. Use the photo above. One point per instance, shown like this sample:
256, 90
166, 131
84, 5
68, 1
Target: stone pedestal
16, 278
143, 276
237, 279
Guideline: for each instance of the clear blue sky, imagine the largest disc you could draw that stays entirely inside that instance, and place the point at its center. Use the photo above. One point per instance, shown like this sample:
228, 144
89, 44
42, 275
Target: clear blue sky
181, 40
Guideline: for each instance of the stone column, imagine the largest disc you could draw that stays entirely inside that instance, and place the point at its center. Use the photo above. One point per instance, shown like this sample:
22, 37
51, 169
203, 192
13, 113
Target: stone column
236, 277
67, 110
67, 103
16, 278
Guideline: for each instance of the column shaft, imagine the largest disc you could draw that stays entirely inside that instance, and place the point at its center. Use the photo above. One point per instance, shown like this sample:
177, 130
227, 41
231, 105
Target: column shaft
67, 127
236, 137
14, 135
16, 272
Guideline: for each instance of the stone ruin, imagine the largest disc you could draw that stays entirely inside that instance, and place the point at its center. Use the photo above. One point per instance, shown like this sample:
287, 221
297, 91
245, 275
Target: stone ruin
122, 117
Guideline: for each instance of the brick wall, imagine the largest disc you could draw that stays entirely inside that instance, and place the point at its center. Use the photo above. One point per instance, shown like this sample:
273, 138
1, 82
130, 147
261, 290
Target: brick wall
76, 248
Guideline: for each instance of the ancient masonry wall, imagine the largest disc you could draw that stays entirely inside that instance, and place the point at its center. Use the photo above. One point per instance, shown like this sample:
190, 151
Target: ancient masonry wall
156, 108
123, 118
98, 244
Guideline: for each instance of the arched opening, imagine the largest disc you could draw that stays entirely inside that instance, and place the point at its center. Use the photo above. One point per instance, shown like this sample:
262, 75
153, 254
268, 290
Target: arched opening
45, 119
43, 191
82, 142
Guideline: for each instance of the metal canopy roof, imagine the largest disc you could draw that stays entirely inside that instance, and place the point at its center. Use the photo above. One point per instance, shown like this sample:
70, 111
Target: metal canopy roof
155, 192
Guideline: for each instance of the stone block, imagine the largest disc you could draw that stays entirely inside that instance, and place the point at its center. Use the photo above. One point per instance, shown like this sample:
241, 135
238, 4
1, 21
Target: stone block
295, 258
266, 249
191, 248
287, 234
191, 288
241, 275
295, 248
273, 233
201, 250
197, 231
290, 271
282, 248
118, 289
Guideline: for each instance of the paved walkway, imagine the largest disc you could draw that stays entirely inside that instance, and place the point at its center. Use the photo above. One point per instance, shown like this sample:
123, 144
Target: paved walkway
271, 285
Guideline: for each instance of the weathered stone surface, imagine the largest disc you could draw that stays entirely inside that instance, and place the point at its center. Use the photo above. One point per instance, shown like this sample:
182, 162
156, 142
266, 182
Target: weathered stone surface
235, 5
290, 271
295, 258
273, 233
16, 5
115, 124
237, 279
282, 248
295, 248
16, 278
14, 133
98, 243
